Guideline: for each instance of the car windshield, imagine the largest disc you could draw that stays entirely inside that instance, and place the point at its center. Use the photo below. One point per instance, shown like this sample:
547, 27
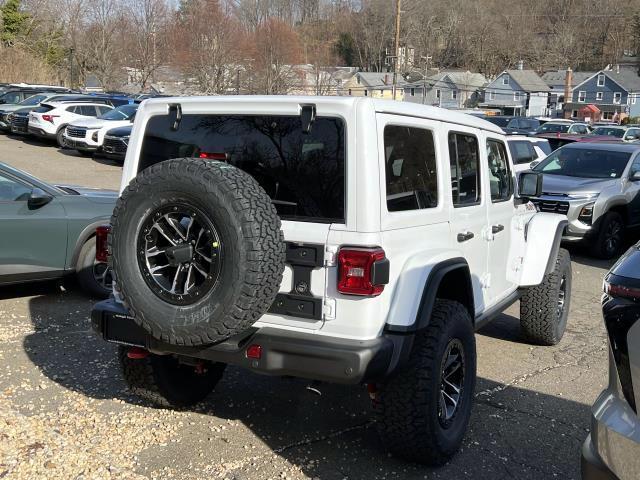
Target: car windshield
553, 128
585, 163
33, 100
499, 121
608, 132
124, 112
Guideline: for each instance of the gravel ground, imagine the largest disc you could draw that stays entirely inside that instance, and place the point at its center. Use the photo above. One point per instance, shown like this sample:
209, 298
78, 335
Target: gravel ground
66, 414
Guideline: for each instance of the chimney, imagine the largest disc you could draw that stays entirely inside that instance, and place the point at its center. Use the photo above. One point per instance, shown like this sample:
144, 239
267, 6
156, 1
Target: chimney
520, 65
568, 80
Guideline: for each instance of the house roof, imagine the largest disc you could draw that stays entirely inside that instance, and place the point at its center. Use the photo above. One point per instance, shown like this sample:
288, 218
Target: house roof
528, 80
626, 78
467, 79
556, 78
378, 79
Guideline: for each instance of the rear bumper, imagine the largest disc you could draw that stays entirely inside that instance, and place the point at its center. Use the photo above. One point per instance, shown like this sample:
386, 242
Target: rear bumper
283, 352
39, 132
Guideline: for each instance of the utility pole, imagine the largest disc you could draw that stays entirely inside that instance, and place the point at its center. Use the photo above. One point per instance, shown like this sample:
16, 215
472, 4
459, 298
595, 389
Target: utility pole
424, 78
71, 79
397, 47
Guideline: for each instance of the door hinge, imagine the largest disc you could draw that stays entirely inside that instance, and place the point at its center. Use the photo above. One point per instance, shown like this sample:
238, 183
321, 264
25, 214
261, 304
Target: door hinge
487, 234
485, 281
330, 255
329, 309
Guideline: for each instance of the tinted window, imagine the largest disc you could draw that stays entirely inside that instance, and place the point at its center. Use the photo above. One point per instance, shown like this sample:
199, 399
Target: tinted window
464, 159
584, 163
103, 110
303, 173
499, 121
87, 110
553, 128
499, 172
410, 164
33, 100
544, 146
609, 132
521, 151
124, 112
10, 190
635, 166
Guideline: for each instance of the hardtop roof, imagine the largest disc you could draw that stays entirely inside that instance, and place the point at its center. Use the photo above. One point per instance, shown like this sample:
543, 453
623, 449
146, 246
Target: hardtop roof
382, 106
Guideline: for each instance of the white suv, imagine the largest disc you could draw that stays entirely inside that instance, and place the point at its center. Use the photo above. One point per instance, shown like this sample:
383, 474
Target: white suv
348, 240
50, 119
527, 152
87, 135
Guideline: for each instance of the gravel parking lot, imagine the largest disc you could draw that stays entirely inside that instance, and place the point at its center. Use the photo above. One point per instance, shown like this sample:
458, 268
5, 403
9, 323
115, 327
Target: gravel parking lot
65, 412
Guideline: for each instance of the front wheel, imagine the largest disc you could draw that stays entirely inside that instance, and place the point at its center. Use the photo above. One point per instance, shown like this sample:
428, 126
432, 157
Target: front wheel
60, 138
544, 308
423, 412
165, 382
610, 236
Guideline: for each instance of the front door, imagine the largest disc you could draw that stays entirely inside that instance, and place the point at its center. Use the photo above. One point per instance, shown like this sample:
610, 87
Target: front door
469, 215
33, 243
501, 211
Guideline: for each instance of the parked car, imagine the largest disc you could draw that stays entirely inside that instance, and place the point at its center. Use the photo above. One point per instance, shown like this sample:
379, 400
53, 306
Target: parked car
515, 125
50, 119
5, 110
565, 127
386, 274
19, 121
116, 142
87, 135
50, 231
597, 186
526, 152
612, 133
612, 449
17, 94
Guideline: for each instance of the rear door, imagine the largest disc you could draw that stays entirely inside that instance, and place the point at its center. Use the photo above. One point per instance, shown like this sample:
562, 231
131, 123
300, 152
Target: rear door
469, 214
34, 241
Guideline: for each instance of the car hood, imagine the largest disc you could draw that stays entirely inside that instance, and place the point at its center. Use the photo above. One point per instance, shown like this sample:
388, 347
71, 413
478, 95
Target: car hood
561, 184
98, 195
90, 123
13, 108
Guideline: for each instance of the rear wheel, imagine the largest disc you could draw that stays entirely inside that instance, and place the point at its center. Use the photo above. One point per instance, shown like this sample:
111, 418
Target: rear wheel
165, 382
610, 236
423, 412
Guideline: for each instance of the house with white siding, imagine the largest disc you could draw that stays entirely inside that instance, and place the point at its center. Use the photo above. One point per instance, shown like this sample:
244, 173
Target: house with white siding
517, 92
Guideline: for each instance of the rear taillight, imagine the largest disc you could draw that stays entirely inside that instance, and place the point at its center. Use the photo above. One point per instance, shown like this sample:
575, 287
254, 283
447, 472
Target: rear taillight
621, 291
362, 271
102, 249
48, 118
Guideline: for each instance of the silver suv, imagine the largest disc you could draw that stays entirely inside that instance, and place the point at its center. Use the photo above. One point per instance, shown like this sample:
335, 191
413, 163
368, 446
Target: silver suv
596, 186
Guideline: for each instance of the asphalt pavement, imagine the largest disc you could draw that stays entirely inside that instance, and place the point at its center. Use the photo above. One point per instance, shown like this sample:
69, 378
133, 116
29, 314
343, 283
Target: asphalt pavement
65, 411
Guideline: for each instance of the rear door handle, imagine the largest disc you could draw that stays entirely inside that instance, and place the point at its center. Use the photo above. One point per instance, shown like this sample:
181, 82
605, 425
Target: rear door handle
497, 228
464, 236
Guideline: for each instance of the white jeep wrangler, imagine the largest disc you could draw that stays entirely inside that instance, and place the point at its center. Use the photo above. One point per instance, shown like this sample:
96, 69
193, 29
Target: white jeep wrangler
346, 240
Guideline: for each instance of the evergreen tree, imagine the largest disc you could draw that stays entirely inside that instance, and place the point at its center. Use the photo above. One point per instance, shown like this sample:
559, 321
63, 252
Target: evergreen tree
14, 22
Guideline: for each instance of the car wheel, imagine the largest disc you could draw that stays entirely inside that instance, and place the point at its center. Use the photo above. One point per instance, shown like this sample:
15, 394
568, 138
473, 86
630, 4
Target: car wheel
197, 249
544, 308
94, 277
165, 382
423, 412
610, 237
60, 138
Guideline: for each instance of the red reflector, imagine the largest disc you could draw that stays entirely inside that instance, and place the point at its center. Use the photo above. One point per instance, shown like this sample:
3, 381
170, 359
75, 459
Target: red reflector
614, 290
355, 271
137, 353
102, 250
254, 351
213, 155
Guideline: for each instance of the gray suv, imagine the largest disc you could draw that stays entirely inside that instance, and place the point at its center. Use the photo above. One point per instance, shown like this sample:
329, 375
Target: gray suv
612, 449
597, 187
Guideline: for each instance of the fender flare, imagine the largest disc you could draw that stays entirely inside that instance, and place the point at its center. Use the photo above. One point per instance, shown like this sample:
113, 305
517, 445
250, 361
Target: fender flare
86, 233
429, 292
543, 235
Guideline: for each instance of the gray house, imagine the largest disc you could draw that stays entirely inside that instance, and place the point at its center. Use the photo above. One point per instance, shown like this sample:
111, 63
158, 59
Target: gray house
448, 89
517, 92
556, 80
612, 91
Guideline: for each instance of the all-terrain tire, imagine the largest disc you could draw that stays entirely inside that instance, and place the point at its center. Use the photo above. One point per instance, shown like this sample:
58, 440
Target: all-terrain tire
95, 279
163, 381
608, 242
248, 252
409, 418
544, 308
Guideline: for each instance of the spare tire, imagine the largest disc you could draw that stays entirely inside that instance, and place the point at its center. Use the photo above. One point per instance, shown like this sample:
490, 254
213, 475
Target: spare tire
197, 250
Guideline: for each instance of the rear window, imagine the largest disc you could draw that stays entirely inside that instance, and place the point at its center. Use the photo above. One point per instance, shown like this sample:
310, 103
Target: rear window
303, 173
42, 109
521, 152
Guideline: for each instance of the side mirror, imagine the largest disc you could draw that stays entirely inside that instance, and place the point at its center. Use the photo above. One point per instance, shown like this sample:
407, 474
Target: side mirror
38, 198
529, 184
635, 176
